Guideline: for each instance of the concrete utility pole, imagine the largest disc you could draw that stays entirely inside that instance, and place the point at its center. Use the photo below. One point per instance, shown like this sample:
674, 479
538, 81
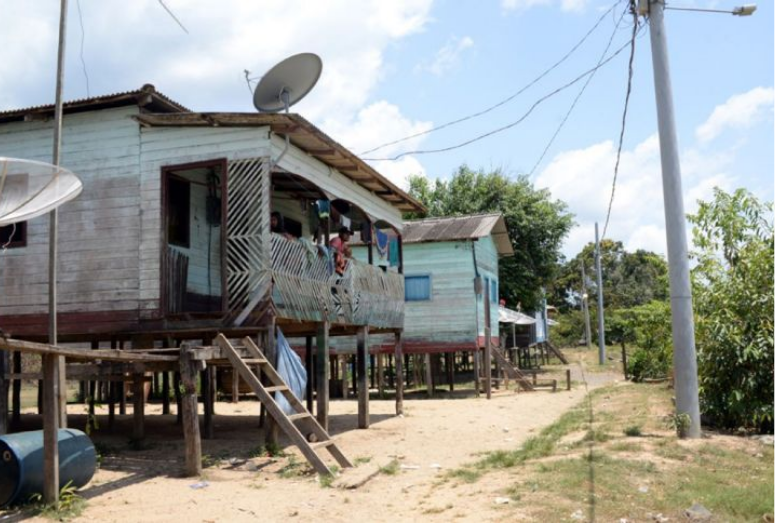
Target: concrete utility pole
53, 366
600, 318
684, 352
585, 307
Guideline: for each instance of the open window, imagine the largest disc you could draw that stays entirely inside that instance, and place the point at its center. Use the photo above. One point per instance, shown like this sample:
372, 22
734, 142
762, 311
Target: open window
14, 235
194, 276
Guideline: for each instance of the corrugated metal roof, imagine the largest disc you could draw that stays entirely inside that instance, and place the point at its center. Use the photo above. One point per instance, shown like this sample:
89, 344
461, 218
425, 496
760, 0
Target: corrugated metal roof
468, 227
147, 96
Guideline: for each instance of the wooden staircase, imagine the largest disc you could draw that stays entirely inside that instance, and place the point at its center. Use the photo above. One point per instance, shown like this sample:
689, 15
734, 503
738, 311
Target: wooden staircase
511, 371
557, 352
301, 427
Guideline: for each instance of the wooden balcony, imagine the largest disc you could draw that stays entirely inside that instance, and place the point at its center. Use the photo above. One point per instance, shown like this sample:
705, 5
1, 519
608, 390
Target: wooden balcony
306, 288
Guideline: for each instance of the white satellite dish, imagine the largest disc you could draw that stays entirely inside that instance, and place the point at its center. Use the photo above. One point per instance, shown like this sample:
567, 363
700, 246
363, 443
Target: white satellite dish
287, 82
29, 189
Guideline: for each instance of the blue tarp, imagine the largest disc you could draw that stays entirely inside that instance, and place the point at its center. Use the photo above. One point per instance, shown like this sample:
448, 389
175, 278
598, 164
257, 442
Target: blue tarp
291, 369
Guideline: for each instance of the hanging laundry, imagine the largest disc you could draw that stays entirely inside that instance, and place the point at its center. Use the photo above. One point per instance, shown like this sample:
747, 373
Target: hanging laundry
393, 252
383, 243
346, 222
324, 208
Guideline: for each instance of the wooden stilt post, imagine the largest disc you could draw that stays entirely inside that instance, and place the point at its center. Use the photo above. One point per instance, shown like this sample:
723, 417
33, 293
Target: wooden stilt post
372, 369
234, 386
567, 378
16, 407
4, 387
322, 374
344, 375
477, 371
50, 429
207, 399
450, 362
165, 383
272, 429
362, 351
138, 405
310, 366
428, 375
399, 349
121, 388
381, 375
193, 444
176, 383
111, 404
391, 372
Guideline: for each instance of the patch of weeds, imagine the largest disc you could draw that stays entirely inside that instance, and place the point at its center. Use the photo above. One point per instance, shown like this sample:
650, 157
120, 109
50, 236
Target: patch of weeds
257, 452
624, 446
71, 505
326, 480
435, 510
467, 475
361, 460
294, 469
513, 493
209, 461
596, 435
391, 469
273, 450
680, 423
633, 431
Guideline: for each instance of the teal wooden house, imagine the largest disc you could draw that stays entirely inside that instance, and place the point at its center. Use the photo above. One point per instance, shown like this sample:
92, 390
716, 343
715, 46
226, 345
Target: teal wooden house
443, 258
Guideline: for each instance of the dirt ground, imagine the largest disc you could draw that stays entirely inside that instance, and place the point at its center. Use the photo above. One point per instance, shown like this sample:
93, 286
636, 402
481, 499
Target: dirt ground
434, 435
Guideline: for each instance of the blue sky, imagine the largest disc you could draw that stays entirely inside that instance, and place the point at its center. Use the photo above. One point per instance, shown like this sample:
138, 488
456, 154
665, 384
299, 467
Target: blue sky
395, 68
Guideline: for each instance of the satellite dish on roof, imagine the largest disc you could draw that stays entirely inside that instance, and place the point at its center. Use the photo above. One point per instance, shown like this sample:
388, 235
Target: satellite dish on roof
287, 82
29, 189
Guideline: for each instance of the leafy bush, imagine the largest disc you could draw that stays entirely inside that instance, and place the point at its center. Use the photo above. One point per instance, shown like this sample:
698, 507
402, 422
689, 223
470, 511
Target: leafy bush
648, 327
570, 330
733, 293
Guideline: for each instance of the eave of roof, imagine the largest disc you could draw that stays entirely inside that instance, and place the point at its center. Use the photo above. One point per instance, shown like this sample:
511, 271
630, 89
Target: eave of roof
303, 135
466, 227
147, 97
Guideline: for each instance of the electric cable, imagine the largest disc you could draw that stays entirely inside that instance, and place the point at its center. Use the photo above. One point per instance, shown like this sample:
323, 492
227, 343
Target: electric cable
83, 38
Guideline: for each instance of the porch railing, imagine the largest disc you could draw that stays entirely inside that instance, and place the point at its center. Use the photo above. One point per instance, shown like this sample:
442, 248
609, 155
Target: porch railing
307, 288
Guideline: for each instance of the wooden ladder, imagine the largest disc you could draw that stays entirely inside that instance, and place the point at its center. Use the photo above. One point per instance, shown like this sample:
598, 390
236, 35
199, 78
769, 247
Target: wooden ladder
301, 427
557, 352
510, 369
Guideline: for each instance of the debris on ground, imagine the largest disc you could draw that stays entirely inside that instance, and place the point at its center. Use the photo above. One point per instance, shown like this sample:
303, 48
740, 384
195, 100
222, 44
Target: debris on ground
698, 513
502, 501
199, 484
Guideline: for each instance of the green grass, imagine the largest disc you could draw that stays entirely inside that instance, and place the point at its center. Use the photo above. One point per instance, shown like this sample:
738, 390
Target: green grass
391, 469
633, 431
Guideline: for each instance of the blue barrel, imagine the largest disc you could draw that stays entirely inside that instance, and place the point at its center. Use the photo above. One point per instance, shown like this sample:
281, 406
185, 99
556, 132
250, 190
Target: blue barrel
21, 463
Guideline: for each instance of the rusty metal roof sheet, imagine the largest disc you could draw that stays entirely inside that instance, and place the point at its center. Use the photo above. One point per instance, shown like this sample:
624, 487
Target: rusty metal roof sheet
303, 135
146, 97
469, 227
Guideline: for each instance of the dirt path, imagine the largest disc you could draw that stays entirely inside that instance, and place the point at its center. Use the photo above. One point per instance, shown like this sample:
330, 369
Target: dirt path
434, 436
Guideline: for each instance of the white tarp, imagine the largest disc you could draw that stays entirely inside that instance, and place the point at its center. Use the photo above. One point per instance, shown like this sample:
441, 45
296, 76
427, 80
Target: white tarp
291, 369
29, 189
509, 316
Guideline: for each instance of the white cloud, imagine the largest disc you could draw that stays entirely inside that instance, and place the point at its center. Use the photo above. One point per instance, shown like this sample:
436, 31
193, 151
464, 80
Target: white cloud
582, 178
522, 5
448, 56
204, 69
740, 111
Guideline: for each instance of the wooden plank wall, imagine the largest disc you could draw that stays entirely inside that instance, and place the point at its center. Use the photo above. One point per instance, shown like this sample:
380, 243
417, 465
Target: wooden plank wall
162, 146
99, 234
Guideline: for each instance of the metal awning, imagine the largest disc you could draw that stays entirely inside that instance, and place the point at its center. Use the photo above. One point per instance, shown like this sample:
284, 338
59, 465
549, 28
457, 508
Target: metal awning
509, 316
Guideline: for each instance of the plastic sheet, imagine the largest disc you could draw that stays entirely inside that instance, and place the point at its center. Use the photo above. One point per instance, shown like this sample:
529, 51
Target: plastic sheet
291, 369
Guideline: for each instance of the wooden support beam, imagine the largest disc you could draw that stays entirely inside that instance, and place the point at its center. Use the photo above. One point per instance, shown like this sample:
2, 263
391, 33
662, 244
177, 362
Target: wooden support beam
81, 354
428, 375
381, 375
16, 407
477, 371
50, 430
322, 374
272, 428
362, 349
193, 444
165, 383
5, 367
399, 378
345, 378
310, 367
205, 379
138, 405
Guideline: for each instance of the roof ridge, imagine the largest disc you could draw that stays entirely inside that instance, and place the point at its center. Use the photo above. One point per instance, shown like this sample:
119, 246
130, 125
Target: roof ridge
456, 216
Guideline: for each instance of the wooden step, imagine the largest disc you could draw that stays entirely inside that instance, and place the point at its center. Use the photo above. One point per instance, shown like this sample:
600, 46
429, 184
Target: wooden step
322, 444
255, 361
300, 415
276, 388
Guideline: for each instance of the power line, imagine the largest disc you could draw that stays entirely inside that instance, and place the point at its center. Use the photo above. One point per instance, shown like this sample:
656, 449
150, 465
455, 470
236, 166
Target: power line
624, 118
505, 100
169, 11
512, 124
83, 38
578, 96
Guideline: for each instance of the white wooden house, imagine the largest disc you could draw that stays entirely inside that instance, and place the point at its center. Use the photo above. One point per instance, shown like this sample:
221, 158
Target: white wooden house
171, 234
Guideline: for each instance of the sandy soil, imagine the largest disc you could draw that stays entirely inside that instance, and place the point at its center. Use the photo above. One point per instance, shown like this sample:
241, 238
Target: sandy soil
435, 435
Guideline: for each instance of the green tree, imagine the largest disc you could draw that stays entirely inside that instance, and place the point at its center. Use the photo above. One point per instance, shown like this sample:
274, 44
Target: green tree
733, 301
537, 224
629, 278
